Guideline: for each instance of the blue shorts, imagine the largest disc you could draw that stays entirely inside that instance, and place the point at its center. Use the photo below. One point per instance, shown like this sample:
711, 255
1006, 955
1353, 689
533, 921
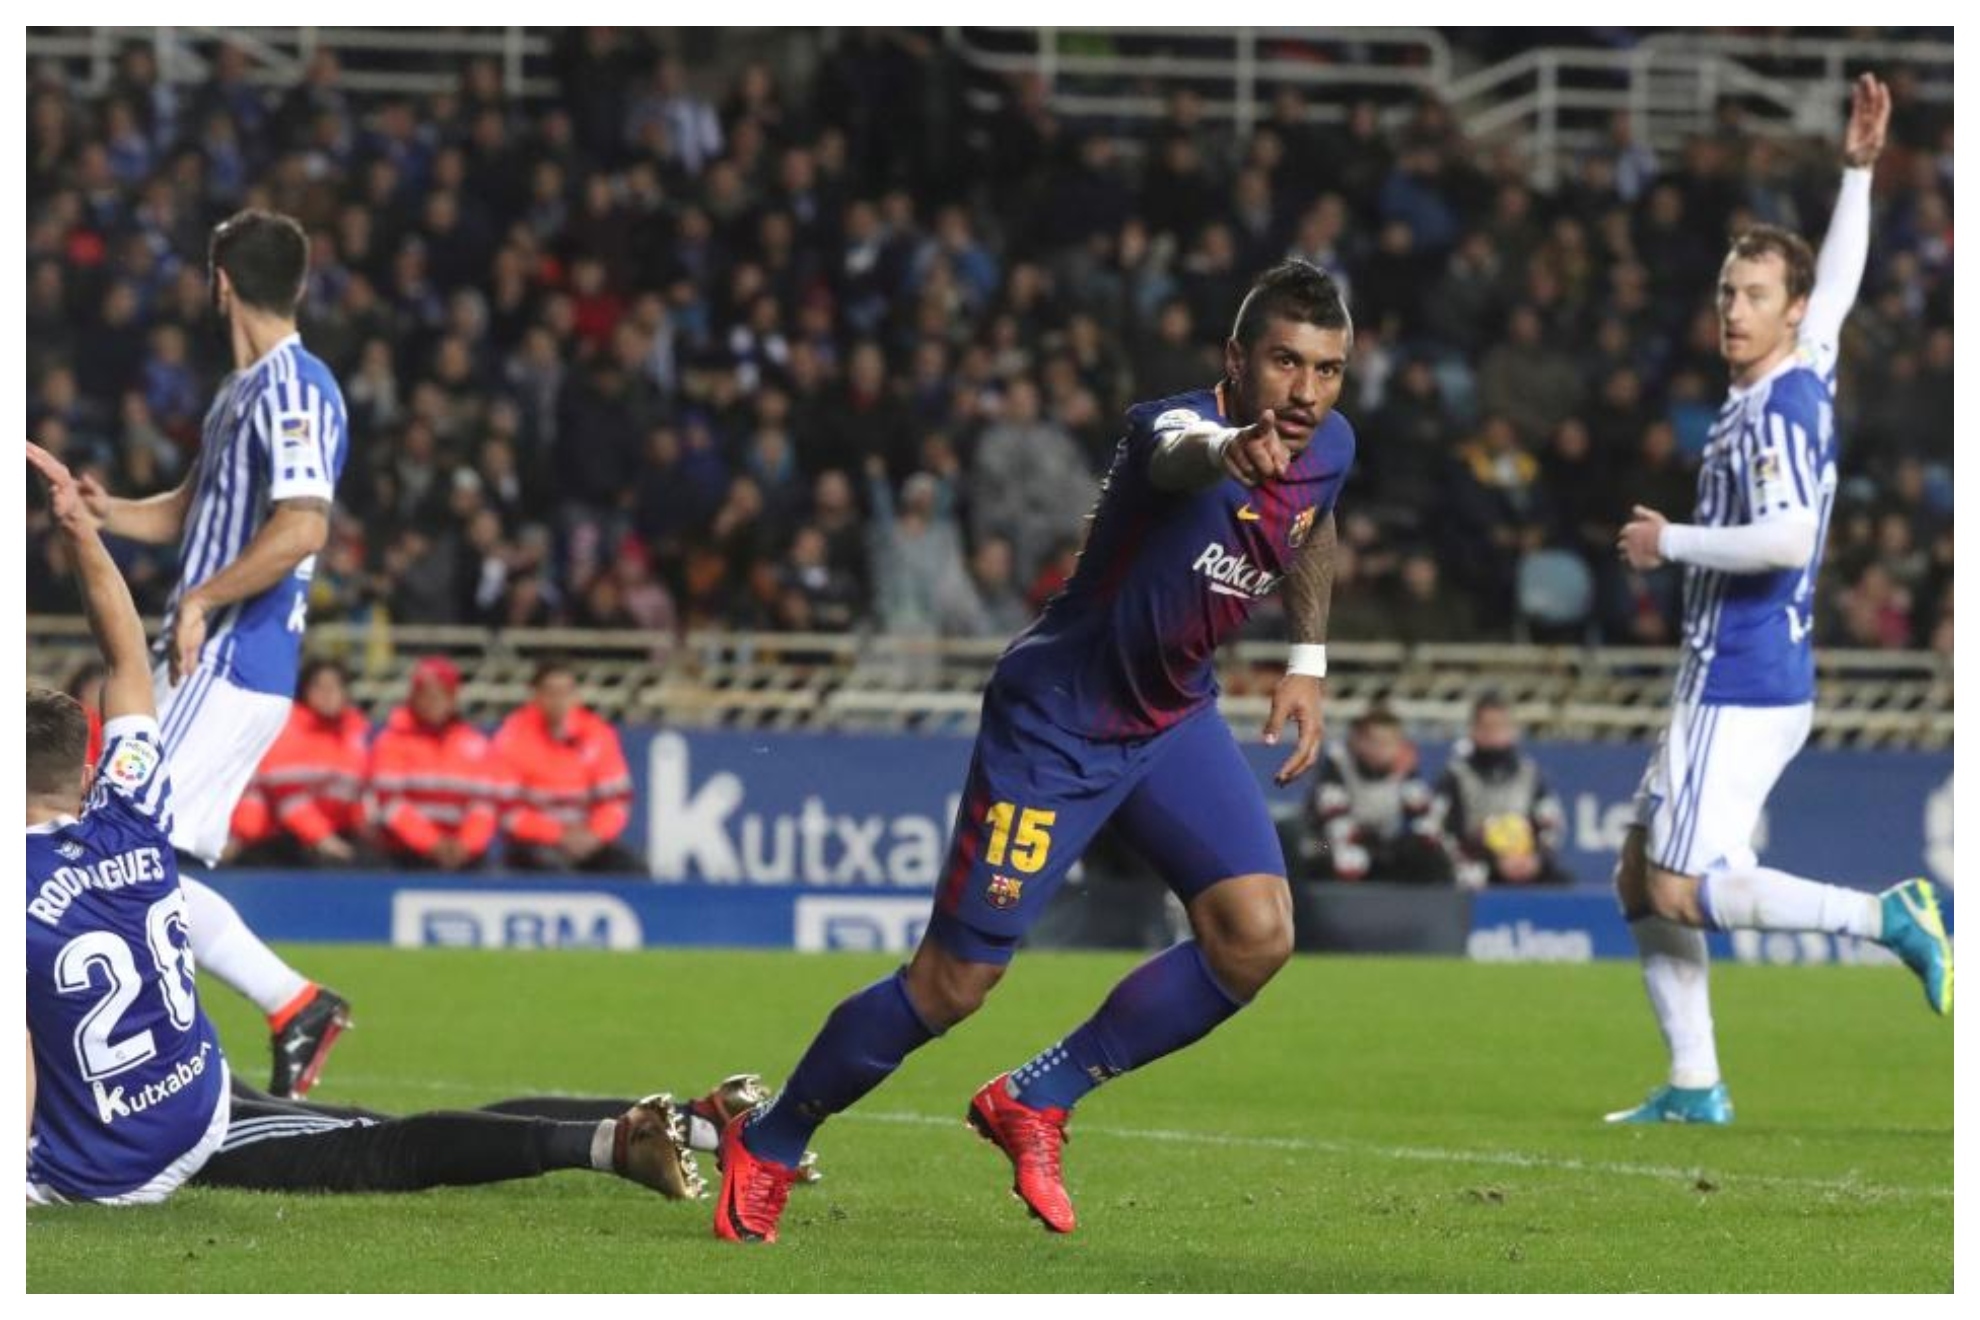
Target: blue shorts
1185, 799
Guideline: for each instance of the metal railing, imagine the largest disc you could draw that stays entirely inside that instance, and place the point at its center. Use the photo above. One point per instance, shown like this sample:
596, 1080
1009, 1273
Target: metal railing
850, 681
1107, 73
1549, 104
405, 61
1555, 103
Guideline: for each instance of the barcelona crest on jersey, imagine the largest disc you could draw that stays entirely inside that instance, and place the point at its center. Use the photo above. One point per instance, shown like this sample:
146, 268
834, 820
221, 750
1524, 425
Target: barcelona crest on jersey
1301, 528
1004, 891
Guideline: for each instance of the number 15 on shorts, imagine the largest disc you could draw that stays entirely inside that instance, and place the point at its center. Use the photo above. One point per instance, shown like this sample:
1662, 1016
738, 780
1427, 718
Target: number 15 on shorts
1027, 845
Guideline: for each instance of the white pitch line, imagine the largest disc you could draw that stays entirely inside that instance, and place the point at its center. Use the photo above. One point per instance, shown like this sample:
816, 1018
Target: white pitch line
1441, 1155
1515, 1159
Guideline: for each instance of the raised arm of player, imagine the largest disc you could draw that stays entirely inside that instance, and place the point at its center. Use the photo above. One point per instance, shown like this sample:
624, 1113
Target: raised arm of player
1302, 693
157, 520
295, 530
113, 616
1202, 454
1846, 245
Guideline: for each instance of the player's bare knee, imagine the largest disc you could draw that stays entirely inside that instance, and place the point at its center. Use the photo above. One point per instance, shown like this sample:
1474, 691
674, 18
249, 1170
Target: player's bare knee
1632, 876
946, 989
1247, 942
1673, 897
1244, 969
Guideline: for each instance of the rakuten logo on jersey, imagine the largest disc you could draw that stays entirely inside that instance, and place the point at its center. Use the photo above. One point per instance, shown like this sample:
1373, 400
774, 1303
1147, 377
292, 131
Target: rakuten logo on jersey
1231, 574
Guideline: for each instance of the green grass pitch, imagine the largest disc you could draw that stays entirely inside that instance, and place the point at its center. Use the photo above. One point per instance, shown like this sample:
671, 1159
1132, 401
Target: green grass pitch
1372, 1124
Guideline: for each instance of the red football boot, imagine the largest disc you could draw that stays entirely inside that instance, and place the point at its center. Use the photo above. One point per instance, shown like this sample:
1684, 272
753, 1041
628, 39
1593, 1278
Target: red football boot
1032, 1139
754, 1192
730, 1100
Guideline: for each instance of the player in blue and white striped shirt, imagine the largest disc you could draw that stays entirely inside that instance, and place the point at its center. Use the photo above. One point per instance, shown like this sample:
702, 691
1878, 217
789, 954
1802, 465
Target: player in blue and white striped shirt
1745, 692
249, 519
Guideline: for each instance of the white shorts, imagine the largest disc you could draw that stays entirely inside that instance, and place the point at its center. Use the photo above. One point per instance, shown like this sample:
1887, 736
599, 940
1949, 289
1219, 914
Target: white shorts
215, 735
1709, 779
174, 1175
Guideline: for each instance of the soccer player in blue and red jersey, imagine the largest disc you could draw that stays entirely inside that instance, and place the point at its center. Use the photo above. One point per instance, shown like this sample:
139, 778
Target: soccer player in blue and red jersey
1105, 709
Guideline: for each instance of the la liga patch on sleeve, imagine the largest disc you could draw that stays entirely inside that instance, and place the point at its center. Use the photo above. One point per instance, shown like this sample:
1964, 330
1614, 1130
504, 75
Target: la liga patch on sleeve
132, 764
295, 430
1767, 485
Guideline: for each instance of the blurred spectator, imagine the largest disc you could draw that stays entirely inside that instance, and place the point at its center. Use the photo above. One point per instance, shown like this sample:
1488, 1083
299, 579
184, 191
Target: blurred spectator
433, 783
1527, 381
817, 595
170, 393
1029, 483
1423, 608
993, 605
916, 554
1464, 303
303, 807
1500, 821
1657, 476
670, 122
570, 793
1369, 816
1499, 510
1876, 610
1584, 504
1401, 470
1174, 359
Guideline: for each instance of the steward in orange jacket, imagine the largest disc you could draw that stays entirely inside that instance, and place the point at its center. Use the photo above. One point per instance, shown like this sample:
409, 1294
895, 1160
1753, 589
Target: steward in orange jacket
434, 784
570, 794
302, 808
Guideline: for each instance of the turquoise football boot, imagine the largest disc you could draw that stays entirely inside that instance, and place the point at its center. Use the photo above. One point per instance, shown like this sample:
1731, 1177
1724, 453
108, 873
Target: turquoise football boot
1680, 1104
1915, 932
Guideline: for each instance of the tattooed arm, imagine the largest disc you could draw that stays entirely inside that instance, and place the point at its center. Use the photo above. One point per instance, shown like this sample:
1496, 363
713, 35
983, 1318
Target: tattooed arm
1310, 589
1301, 693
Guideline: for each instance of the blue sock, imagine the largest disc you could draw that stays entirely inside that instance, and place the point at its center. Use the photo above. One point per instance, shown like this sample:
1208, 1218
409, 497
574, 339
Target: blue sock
858, 1048
1170, 1001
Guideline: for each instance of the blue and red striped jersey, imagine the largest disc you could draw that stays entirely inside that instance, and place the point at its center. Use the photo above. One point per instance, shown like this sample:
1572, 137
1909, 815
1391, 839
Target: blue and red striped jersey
1125, 650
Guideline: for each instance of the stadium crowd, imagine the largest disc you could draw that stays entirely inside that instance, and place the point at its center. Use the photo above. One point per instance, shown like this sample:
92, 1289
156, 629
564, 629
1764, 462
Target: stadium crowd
849, 352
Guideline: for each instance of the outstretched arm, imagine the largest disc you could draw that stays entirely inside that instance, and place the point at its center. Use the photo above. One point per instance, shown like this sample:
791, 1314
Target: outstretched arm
1782, 540
155, 520
113, 616
1846, 246
1203, 453
1302, 693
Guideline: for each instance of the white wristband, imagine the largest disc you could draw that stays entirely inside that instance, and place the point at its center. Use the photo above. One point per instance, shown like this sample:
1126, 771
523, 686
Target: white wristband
1308, 659
1214, 447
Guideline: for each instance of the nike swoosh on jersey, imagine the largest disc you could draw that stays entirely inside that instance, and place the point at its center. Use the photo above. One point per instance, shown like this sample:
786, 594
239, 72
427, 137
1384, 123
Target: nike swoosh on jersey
1247, 514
